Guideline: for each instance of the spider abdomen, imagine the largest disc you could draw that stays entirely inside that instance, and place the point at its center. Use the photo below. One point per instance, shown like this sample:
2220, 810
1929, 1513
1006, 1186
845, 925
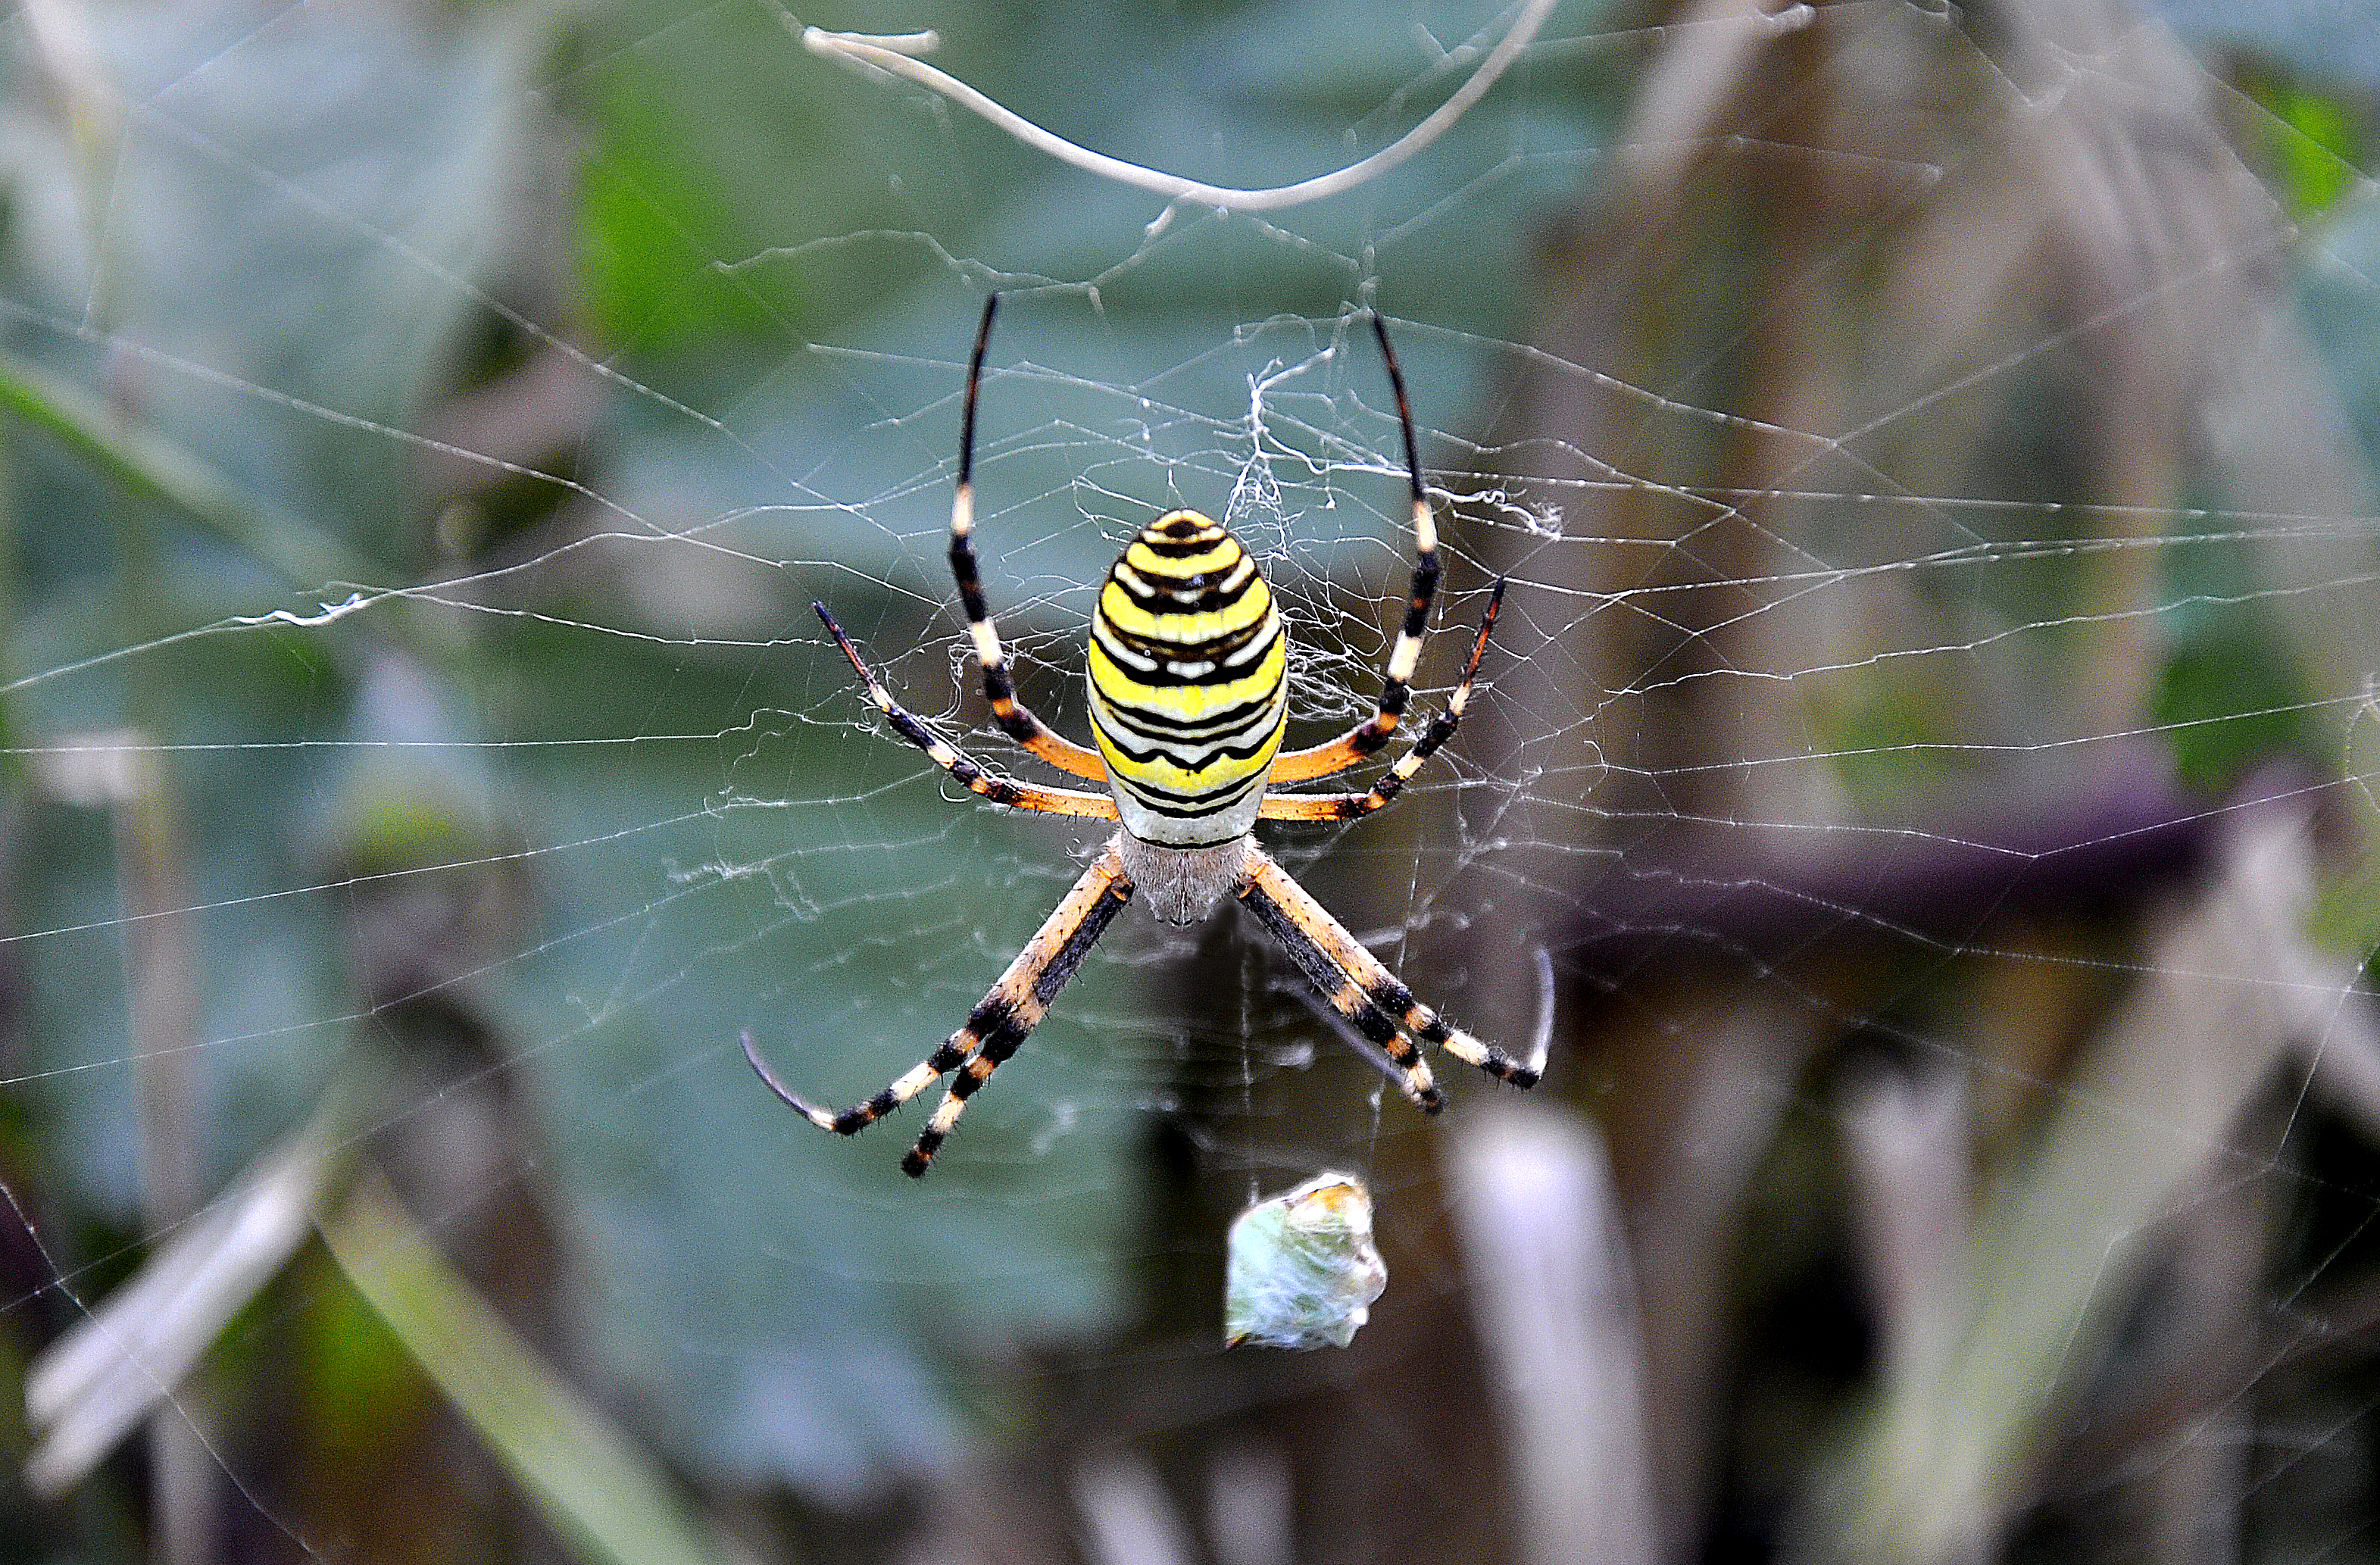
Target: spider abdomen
1189, 682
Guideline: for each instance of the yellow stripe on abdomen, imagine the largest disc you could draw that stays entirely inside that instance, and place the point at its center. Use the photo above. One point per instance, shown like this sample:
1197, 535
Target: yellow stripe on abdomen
1179, 628
1186, 703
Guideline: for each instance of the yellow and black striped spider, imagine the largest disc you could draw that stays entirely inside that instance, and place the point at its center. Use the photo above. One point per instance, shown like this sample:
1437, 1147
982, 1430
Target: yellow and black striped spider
1189, 703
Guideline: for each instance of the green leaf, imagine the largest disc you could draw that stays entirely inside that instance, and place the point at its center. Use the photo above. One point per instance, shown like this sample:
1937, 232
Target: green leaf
2317, 144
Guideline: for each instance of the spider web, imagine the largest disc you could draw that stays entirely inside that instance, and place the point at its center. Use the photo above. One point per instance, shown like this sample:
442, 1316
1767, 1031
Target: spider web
1919, 789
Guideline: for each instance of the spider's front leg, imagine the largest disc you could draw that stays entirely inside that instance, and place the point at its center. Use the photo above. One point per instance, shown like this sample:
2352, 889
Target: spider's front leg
1368, 736
995, 1029
1363, 990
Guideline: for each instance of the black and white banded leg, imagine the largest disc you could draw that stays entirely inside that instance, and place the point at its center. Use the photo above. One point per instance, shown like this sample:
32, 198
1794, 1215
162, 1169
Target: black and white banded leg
971, 774
1362, 989
995, 1029
1351, 807
1015, 718
1396, 685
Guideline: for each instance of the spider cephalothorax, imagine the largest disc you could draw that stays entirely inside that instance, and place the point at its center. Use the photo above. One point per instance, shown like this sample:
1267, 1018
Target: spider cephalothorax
1189, 704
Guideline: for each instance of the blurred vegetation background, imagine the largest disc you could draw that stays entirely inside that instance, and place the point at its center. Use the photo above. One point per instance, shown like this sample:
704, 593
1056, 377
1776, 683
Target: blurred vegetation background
1921, 788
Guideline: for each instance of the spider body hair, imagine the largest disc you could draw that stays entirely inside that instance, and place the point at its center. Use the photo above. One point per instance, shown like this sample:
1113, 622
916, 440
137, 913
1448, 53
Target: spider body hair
1183, 885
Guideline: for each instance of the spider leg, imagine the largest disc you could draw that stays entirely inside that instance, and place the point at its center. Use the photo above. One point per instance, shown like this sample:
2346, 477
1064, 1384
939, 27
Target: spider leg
1352, 807
995, 1029
970, 771
1360, 988
859, 1116
1015, 718
1396, 686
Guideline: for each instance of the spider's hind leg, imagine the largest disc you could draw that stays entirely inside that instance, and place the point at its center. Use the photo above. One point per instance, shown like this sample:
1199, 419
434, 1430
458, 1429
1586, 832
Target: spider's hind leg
1015, 718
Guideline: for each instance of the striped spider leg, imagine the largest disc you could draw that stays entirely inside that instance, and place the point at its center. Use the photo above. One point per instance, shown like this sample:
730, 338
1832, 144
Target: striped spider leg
1364, 740
1350, 977
999, 1026
995, 1029
1354, 807
971, 774
1015, 718
1361, 989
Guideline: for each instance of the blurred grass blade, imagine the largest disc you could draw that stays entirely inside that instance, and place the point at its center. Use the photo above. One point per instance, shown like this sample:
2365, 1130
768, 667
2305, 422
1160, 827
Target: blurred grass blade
2225, 989
1546, 1255
601, 1496
87, 104
114, 1369
1129, 1518
149, 465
